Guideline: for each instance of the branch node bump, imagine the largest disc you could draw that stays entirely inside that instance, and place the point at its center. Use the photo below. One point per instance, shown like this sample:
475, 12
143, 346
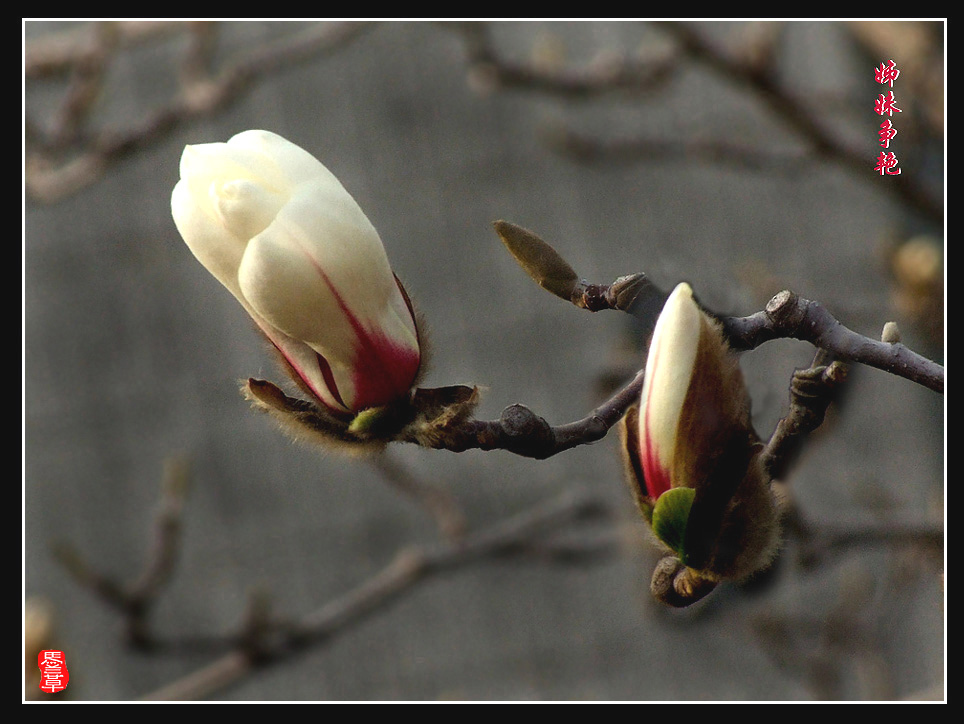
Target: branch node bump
784, 310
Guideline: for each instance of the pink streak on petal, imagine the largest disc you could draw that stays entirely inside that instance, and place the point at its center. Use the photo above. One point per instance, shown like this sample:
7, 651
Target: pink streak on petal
326, 374
382, 370
329, 379
657, 476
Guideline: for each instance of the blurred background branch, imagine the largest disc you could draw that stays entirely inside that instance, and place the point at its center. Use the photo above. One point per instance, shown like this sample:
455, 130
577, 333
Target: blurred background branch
69, 151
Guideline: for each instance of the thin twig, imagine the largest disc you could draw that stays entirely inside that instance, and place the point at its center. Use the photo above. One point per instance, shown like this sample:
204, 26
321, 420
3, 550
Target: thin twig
811, 392
439, 503
522, 432
49, 177
787, 315
410, 568
799, 116
489, 70
820, 540
790, 316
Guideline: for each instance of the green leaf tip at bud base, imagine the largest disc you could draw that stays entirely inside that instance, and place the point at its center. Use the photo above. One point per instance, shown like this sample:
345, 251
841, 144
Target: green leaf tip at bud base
539, 260
692, 432
366, 420
670, 516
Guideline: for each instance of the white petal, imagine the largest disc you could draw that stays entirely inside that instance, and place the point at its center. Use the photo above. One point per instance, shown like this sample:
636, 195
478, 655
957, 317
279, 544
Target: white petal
214, 246
299, 166
283, 283
669, 369
304, 360
208, 163
319, 261
245, 207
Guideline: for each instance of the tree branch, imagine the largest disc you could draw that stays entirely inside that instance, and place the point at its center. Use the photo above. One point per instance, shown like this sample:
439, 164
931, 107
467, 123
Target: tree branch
761, 80
520, 431
49, 176
790, 316
410, 568
136, 599
787, 315
489, 71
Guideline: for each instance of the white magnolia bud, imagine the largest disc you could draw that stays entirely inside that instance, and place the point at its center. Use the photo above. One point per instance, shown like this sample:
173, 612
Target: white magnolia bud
276, 228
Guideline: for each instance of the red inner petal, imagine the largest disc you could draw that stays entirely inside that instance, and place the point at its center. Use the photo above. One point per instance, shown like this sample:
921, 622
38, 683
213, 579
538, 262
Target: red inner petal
382, 369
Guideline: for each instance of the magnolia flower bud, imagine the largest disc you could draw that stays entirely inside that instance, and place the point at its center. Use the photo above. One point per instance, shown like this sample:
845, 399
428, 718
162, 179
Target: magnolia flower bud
693, 455
284, 236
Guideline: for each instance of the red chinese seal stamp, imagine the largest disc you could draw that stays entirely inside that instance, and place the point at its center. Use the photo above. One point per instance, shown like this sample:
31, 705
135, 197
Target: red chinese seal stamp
53, 671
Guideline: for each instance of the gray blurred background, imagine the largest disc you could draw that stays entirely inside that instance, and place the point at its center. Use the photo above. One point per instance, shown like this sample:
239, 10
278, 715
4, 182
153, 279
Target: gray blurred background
133, 352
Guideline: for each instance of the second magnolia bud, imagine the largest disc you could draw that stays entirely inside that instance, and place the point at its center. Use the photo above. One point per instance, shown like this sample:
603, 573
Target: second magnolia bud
693, 457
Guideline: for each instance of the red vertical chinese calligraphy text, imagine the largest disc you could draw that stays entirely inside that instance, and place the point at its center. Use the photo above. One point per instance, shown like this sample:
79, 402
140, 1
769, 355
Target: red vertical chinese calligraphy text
886, 104
887, 164
887, 133
886, 73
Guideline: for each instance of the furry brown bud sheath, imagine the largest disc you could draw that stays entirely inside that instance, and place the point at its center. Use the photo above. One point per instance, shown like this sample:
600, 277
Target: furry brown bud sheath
694, 459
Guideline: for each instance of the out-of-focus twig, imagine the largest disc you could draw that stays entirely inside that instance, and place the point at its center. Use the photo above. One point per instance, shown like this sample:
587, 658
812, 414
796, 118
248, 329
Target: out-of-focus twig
838, 654
763, 83
921, 59
439, 503
86, 82
136, 599
54, 171
822, 540
588, 149
489, 70
410, 568
59, 52
752, 66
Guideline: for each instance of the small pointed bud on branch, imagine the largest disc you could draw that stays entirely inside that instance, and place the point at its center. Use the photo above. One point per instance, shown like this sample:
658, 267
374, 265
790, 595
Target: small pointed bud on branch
539, 260
890, 333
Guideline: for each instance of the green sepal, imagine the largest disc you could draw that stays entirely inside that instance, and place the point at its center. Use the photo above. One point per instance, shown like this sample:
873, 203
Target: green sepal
670, 515
366, 420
